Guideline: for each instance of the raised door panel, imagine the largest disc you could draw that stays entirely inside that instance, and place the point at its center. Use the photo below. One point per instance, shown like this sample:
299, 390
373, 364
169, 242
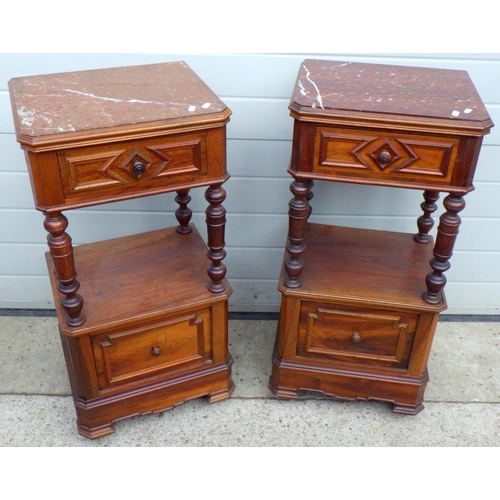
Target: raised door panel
180, 343
364, 336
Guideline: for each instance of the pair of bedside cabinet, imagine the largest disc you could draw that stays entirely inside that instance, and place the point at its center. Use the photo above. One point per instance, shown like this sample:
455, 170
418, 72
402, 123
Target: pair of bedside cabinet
143, 319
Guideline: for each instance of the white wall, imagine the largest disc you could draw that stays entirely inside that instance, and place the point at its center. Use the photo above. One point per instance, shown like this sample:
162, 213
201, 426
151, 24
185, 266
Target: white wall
257, 89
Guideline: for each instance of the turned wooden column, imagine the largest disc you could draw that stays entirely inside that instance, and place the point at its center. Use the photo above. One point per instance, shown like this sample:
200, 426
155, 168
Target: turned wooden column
425, 222
298, 215
183, 213
61, 251
216, 221
447, 232
309, 197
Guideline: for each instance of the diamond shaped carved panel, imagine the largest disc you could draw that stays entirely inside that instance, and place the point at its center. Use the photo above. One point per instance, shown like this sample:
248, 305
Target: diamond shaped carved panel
130, 166
152, 164
383, 156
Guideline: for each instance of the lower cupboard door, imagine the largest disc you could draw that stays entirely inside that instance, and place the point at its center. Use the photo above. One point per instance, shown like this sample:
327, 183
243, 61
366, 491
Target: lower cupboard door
360, 336
165, 349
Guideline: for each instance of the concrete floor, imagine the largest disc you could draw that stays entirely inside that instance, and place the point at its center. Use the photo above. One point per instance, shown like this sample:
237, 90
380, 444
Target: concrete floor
461, 401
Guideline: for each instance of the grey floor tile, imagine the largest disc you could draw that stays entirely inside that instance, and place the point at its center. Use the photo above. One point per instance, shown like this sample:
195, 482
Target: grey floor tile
31, 358
464, 364
49, 421
251, 345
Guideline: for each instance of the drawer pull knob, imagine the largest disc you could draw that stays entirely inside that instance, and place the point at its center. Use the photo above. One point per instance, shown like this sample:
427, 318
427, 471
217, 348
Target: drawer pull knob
384, 157
138, 168
356, 338
155, 350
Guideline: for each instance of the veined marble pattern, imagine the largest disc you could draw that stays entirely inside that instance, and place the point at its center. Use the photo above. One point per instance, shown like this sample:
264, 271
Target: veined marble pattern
385, 89
95, 99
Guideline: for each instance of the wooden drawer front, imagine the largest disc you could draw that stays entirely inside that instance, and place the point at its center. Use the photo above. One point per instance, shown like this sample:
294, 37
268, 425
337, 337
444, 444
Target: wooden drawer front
360, 336
110, 169
125, 357
386, 157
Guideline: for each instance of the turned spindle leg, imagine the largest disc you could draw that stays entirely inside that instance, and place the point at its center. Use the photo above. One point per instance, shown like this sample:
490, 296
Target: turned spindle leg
61, 251
309, 197
298, 214
183, 213
425, 222
216, 220
449, 223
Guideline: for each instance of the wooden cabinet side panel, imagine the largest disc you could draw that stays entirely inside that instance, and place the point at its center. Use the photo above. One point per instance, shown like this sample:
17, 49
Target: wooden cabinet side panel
45, 179
80, 365
216, 152
468, 155
219, 332
288, 327
422, 344
303, 147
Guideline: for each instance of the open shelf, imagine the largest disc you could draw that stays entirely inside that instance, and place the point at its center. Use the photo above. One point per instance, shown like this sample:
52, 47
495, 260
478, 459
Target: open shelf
140, 276
364, 266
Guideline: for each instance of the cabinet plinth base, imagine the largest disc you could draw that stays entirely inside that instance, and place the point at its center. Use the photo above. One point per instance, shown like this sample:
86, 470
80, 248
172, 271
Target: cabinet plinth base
357, 329
288, 378
154, 336
96, 418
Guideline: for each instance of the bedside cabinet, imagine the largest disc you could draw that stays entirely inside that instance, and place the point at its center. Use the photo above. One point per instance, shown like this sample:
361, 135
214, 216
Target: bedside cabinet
359, 307
142, 318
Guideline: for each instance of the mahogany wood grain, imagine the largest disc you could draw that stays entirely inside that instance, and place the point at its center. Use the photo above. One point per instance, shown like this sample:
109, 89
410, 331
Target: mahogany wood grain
61, 252
367, 266
298, 214
183, 213
425, 222
447, 232
216, 220
139, 276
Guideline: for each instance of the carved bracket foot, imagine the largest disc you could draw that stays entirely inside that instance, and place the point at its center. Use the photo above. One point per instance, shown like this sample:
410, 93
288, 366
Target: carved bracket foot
217, 396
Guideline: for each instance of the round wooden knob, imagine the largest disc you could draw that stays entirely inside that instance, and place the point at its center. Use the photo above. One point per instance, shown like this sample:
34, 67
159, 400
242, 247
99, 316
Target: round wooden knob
155, 350
138, 168
356, 338
384, 157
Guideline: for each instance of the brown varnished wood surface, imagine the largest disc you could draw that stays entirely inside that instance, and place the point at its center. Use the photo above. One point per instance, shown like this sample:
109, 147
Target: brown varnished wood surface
139, 276
170, 347
424, 159
368, 336
144, 292
364, 283
365, 267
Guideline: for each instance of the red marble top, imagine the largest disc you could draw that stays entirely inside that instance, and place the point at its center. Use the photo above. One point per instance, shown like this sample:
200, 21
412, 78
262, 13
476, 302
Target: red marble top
388, 89
87, 100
